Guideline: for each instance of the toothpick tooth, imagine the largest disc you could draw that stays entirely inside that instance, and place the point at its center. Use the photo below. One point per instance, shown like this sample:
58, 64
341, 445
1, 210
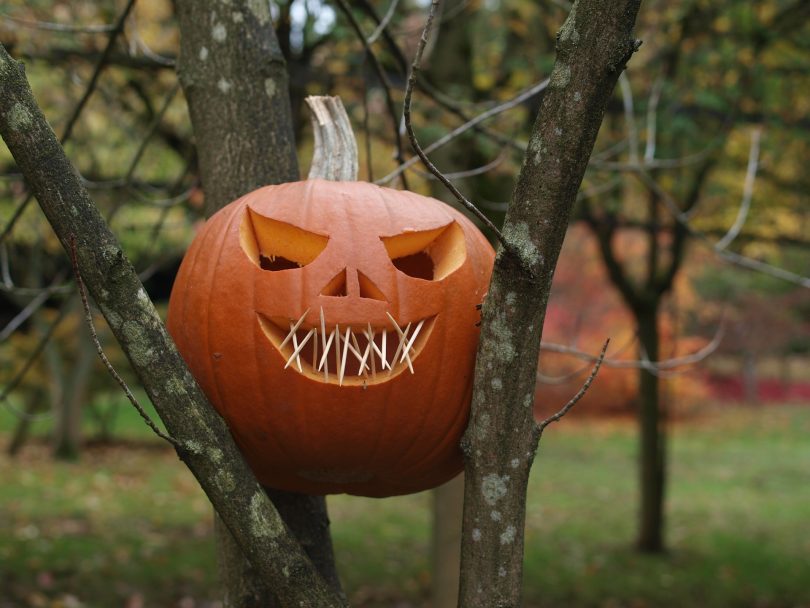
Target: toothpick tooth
406, 352
295, 352
315, 349
370, 337
362, 358
382, 355
337, 350
323, 331
294, 328
345, 352
289, 335
374, 344
405, 347
403, 338
324, 359
355, 348
298, 348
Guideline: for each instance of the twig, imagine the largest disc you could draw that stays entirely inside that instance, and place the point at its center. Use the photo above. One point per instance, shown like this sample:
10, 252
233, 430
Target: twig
383, 78
406, 111
74, 117
728, 256
580, 394
60, 27
88, 316
652, 119
389, 14
658, 368
629, 117
470, 124
43, 341
32, 307
748, 192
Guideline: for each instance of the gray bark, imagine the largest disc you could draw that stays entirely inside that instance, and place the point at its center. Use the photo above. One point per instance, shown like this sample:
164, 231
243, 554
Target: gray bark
500, 442
199, 435
235, 80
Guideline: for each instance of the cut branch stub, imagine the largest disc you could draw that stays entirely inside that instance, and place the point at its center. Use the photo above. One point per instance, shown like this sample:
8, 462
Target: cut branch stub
335, 156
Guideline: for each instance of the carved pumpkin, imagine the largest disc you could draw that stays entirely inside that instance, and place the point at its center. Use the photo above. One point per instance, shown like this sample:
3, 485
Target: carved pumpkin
333, 325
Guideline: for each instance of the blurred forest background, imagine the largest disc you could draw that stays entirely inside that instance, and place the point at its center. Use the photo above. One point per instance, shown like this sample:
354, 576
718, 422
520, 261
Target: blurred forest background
690, 249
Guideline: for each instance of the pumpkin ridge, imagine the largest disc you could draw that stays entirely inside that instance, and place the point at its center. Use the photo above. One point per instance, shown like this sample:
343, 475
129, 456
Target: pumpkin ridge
227, 218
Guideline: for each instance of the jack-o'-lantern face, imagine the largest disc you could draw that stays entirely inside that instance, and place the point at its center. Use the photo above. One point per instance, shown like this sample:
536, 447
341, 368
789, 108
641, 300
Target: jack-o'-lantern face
333, 325
365, 303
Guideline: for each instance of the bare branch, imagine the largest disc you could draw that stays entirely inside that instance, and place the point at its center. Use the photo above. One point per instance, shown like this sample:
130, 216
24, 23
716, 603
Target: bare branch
60, 27
406, 111
31, 307
383, 78
728, 256
389, 14
748, 192
652, 119
470, 124
580, 394
88, 317
206, 444
659, 368
629, 117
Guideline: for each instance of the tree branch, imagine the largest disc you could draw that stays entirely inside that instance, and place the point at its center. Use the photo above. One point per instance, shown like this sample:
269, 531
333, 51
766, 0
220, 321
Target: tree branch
207, 447
500, 442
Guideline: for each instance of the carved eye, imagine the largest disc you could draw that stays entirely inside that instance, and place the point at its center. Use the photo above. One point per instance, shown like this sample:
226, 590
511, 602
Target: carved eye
275, 245
428, 254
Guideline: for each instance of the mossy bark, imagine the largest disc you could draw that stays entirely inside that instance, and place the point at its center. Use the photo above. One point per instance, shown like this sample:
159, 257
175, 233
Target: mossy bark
200, 436
500, 442
235, 79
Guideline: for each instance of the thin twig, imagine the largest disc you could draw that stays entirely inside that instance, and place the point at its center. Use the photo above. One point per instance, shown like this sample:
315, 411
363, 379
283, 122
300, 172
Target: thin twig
88, 315
580, 394
729, 256
74, 117
658, 368
748, 192
384, 81
652, 119
472, 123
406, 111
389, 14
629, 116
60, 27
43, 341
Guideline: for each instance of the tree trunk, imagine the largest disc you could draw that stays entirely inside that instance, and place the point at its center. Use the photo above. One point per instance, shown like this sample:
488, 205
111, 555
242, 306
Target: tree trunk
448, 501
197, 432
749, 374
500, 442
235, 79
653, 449
68, 431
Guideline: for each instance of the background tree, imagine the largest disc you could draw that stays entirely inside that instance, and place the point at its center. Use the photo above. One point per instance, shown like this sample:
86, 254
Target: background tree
333, 55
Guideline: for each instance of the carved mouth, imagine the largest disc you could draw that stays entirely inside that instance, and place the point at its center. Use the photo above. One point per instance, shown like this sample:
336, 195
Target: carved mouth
352, 354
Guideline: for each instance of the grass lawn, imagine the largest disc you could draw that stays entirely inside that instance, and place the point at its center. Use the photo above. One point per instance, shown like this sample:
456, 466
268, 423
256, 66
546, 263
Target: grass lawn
127, 526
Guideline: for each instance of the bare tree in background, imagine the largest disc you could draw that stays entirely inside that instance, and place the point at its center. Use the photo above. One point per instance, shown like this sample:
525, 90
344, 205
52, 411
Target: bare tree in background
235, 80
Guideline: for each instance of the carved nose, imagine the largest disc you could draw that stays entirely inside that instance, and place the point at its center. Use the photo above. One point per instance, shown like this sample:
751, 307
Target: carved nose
350, 282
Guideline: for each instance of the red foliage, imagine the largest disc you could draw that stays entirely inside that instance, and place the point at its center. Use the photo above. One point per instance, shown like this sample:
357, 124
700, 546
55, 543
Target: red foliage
584, 310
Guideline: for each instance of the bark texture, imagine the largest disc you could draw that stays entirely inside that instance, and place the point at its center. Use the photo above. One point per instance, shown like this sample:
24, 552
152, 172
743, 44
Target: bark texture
200, 436
500, 442
235, 80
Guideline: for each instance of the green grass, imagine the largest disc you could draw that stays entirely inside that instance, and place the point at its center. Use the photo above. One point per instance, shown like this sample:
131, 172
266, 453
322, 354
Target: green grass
128, 524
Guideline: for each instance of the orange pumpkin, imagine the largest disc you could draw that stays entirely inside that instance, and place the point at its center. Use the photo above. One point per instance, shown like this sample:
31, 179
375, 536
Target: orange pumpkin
333, 325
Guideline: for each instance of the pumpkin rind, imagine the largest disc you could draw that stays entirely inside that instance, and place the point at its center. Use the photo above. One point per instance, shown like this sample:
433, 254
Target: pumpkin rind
389, 435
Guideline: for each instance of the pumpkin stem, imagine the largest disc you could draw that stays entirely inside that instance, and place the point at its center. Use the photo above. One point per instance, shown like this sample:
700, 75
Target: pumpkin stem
335, 156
